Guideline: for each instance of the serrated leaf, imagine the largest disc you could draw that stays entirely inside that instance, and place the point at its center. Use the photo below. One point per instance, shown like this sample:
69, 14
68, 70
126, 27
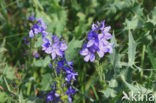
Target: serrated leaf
73, 45
119, 5
109, 92
46, 81
113, 83
42, 62
9, 72
115, 58
20, 97
153, 19
136, 88
150, 56
135, 23
39, 42
4, 97
34, 100
131, 50
58, 22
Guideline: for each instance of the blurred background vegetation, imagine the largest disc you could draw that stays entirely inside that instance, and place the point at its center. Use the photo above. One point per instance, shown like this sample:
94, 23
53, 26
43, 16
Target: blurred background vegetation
132, 66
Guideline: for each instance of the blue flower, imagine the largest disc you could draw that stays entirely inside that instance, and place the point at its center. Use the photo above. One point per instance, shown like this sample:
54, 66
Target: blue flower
49, 97
93, 39
31, 18
97, 42
55, 39
37, 28
70, 75
70, 63
63, 46
31, 34
70, 99
43, 25
44, 33
52, 96
50, 65
95, 26
60, 63
36, 55
89, 54
56, 51
54, 47
46, 44
26, 40
70, 92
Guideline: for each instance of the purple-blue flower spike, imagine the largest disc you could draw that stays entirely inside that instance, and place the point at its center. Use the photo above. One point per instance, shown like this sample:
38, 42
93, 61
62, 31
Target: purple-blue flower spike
97, 42
53, 46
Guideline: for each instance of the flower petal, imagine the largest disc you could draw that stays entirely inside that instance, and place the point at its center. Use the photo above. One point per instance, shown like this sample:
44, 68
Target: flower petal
86, 59
31, 34
44, 33
63, 46
59, 52
108, 36
100, 36
105, 49
107, 29
48, 50
92, 57
110, 48
84, 52
94, 27
53, 55
100, 53
90, 43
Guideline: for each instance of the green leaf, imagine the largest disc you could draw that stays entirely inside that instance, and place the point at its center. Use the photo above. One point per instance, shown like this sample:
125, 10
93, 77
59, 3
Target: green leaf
72, 50
57, 21
42, 62
131, 50
34, 100
109, 92
46, 81
153, 18
119, 5
8, 72
115, 57
21, 100
135, 23
150, 56
75, 5
136, 88
138, 10
4, 97
39, 42
113, 83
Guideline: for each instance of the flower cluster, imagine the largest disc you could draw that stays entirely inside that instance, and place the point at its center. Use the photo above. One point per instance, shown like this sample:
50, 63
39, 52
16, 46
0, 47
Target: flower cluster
54, 46
97, 42
38, 27
63, 71
64, 68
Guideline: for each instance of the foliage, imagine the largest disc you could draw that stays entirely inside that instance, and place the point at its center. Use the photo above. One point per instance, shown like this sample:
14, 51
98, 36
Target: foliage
131, 66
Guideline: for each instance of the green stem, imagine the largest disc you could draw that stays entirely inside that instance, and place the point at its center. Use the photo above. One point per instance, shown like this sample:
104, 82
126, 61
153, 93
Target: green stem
95, 93
98, 69
91, 100
143, 55
58, 79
